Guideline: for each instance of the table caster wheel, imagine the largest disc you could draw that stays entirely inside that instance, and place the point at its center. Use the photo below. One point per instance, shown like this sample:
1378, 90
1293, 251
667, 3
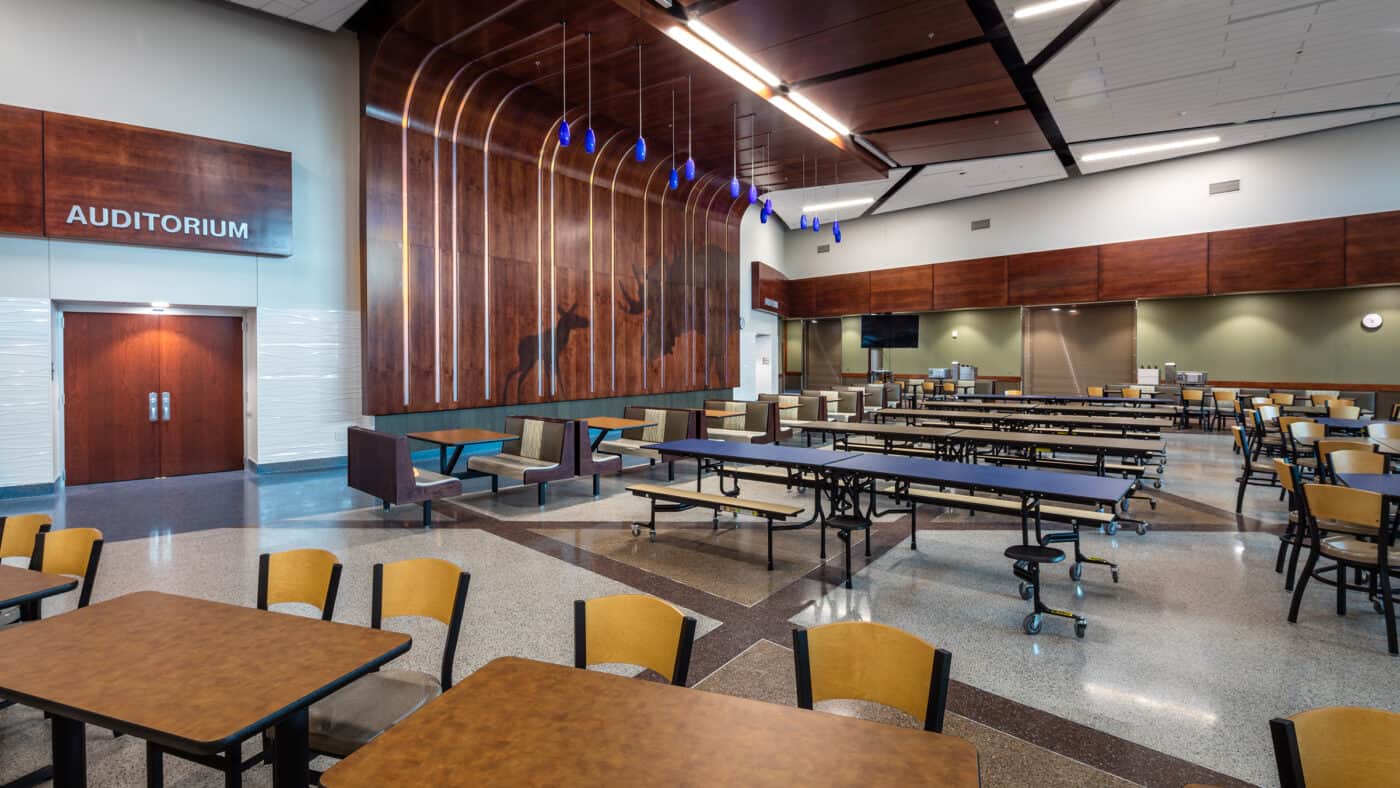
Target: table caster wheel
1111, 529
1142, 529
1022, 565
1114, 570
1025, 590
1079, 626
636, 529
1152, 503
1031, 624
1157, 484
1076, 571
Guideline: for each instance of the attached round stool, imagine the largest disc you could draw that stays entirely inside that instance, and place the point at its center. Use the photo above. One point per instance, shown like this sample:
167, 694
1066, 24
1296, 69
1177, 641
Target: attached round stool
1028, 558
844, 525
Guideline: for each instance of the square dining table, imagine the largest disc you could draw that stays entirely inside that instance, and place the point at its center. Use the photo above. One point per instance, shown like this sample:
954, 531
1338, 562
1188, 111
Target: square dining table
24, 588
189, 675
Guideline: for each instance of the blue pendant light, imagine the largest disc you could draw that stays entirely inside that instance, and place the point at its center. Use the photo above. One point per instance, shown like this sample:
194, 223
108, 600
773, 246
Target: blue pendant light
753, 187
689, 135
836, 230
565, 136
763, 217
753, 190
804, 221
816, 224
675, 180
639, 151
734, 163
767, 205
590, 140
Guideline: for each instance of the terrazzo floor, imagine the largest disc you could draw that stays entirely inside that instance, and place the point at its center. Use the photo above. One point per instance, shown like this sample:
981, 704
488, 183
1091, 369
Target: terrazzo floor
1184, 660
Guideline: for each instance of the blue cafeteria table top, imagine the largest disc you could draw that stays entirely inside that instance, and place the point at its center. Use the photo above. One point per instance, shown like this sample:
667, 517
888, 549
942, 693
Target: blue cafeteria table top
765, 453
1049, 484
1387, 484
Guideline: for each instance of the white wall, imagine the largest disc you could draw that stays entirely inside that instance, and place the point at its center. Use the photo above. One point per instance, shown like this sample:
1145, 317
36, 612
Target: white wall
217, 70
762, 242
1330, 173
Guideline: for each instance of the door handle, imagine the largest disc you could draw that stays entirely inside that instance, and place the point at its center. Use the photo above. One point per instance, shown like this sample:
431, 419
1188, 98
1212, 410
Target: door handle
151, 406
165, 406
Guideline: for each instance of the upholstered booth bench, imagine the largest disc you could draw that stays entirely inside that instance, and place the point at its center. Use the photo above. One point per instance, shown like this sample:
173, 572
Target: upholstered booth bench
841, 405
758, 424
667, 424
808, 409
547, 451
381, 465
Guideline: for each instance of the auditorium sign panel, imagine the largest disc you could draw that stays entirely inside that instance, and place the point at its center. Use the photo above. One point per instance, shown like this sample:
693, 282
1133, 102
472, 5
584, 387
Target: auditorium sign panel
116, 183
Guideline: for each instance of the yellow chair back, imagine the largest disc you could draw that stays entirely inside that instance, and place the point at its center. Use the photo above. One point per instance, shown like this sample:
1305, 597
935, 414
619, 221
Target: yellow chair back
1285, 423
863, 660
1257, 401
1096, 391
1331, 502
1222, 396
1013, 392
1356, 460
1281, 398
18, 532
1340, 747
634, 629
1343, 411
426, 587
1132, 393
950, 388
1307, 430
309, 576
1192, 395
1326, 447
1239, 439
1383, 429
927, 386
68, 552
1285, 472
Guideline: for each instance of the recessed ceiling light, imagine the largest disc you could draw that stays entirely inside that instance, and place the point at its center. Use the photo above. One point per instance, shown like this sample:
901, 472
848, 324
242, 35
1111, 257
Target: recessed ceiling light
722, 44
1054, 309
831, 206
1142, 150
801, 116
1038, 9
717, 59
819, 113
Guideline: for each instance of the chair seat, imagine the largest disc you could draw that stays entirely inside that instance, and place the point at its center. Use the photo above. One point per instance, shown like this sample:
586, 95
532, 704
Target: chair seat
1349, 548
630, 446
511, 466
424, 478
837, 416
1034, 553
737, 436
1339, 527
351, 717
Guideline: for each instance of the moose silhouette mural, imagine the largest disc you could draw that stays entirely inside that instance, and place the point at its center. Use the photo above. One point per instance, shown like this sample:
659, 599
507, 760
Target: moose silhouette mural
532, 347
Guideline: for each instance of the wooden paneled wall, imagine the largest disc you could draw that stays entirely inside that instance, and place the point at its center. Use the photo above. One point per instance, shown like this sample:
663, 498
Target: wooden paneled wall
1328, 253
501, 267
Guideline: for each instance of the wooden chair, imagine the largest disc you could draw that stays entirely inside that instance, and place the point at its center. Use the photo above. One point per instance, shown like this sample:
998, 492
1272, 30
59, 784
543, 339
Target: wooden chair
1343, 412
1295, 531
1193, 404
928, 391
1323, 450
1336, 747
1269, 437
1365, 549
1249, 471
71, 551
950, 389
18, 532
863, 660
1320, 397
351, 717
1380, 429
1095, 391
1395, 412
1355, 460
634, 629
1281, 398
1013, 392
1305, 434
1132, 392
1222, 402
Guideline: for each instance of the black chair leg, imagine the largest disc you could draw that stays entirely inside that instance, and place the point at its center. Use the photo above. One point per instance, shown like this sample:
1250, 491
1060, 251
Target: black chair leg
1308, 567
670, 471
1292, 565
1239, 498
1341, 590
428, 514
1388, 610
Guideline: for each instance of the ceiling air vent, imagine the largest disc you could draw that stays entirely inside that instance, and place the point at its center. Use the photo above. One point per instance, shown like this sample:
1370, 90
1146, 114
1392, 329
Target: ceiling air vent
981, 224
1222, 187
823, 248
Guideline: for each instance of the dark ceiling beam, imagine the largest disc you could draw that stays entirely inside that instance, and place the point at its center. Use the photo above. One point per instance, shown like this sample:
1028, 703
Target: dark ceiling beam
703, 7
1067, 36
919, 124
994, 28
890, 192
897, 60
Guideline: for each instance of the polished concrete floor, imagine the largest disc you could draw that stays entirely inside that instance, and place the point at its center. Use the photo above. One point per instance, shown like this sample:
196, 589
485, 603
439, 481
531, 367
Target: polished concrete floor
1183, 663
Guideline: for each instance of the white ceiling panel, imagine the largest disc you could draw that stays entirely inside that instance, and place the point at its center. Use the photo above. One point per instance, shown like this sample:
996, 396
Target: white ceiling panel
1158, 65
325, 14
1230, 136
788, 204
1032, 34
956, 180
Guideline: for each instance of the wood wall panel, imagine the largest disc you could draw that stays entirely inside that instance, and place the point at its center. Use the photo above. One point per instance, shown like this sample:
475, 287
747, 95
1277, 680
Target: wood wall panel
535, 271
1054, 277
147, 176
769, 289
21, 171
803, 294
1373, 248
966, 284
902, 289
1154, 268
843, 294
1297, 256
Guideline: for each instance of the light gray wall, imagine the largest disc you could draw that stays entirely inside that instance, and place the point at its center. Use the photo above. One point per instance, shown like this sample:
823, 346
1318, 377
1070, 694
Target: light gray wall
217, 70
1330, 173
762, 242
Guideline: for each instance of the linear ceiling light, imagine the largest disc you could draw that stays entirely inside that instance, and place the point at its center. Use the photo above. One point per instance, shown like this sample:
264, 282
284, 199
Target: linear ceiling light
719, 42
1142, 150
817, 112
831, 206
715, 58
1037, 9
797, 114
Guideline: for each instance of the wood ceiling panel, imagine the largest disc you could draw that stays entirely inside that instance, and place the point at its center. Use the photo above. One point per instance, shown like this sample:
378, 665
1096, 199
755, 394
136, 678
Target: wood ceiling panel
970, 283
1062, 276
902, 289
956, 83
1154, 268
799, 40
1373, 248
1295, 256
993, 135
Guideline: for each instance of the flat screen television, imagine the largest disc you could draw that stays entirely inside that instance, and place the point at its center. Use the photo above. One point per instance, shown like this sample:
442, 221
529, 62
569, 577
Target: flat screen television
882, 331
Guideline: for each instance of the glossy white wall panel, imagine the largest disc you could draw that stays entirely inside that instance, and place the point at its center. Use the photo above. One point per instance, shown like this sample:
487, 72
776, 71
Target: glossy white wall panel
26, 417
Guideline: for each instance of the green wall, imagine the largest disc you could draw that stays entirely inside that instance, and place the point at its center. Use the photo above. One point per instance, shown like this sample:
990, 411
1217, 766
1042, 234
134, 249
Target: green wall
989, 338
1306, 337
792, 335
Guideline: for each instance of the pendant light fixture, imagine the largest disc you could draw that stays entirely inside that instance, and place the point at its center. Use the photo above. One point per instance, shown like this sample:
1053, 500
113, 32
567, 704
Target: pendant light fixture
753, 146
639, 151
590, 140
816, 181
565, 136
767, 162
689, 133
734, 164
836, 223
675, 180
804, 189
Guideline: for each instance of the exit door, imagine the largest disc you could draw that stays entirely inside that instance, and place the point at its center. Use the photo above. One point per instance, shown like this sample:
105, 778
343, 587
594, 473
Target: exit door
151, 395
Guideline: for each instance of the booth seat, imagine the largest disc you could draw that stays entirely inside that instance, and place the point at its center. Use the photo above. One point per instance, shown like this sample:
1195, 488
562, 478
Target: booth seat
808, 409
381, 464
546, 452
667, 424
841, 405
758, 424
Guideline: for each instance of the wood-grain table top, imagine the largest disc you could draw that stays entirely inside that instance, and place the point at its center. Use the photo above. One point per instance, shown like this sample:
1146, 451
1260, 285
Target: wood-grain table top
722, 414
519, 722
614, 423
463, 437
187, 673
18, 586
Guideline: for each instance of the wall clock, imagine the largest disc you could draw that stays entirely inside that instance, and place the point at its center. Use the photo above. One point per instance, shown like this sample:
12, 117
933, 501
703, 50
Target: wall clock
1372, 321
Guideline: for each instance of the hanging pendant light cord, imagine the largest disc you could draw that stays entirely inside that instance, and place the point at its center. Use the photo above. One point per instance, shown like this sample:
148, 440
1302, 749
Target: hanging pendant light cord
564, 67
689, 129
639, 90
589, 39
734, 164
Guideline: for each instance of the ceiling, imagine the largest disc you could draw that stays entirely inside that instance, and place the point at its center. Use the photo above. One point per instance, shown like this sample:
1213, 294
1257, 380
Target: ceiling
325, 14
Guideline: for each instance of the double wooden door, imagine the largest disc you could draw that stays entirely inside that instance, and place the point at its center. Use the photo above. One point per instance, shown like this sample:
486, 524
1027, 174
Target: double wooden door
151, 395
